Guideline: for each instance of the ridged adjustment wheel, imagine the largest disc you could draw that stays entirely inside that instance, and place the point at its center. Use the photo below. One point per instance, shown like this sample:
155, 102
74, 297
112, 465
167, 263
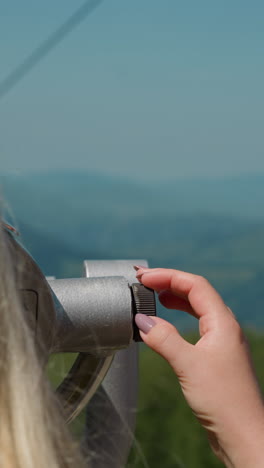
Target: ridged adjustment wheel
143, 303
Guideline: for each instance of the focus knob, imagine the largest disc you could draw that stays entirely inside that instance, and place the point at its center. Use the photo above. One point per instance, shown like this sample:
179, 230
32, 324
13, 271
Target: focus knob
143, 300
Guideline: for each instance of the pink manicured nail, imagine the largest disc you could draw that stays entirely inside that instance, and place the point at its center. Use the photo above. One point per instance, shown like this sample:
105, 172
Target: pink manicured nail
139, 267
144, 322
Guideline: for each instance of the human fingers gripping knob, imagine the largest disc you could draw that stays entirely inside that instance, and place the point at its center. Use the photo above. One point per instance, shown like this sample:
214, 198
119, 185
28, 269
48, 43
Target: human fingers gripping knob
191, 293
215, 373
164, 339
195, 295
194, 289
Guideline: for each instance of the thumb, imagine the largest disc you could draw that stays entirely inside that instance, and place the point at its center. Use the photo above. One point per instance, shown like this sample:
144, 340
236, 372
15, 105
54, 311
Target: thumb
165, 339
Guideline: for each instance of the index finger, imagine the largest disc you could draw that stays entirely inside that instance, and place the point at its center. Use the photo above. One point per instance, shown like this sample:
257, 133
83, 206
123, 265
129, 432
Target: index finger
201, 295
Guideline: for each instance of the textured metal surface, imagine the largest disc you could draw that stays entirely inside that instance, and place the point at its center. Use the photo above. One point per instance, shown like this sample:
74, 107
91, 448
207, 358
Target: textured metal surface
81, 383
83, 310
98, 268
95, 315
111, 413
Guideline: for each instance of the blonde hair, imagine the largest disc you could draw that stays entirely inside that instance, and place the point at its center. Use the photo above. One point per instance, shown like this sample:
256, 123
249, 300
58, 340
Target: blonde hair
33, 432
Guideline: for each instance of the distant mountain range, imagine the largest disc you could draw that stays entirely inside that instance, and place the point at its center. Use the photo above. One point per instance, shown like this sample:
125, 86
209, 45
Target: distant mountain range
214, 228
241, 196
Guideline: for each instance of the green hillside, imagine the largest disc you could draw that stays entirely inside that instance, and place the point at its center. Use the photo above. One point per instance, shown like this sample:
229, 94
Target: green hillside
168, 434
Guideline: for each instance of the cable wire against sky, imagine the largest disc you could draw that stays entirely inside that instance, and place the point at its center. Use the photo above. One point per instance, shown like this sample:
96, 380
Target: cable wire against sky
13, 78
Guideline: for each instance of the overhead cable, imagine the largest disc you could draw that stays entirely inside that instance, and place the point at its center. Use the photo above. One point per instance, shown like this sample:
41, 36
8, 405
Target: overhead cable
45, 47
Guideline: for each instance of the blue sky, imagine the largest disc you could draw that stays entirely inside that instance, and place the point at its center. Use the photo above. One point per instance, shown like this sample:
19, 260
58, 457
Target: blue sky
156, 88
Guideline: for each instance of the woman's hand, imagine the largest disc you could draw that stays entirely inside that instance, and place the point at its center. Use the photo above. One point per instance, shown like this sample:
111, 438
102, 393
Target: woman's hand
216, 374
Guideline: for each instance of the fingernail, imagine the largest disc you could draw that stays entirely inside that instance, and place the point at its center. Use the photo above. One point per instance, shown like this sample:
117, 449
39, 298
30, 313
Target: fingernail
144, 322
146, 271
139, 267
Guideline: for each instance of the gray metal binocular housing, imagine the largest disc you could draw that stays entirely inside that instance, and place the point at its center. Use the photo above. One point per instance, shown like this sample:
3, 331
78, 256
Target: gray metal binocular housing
94, 317
96, 313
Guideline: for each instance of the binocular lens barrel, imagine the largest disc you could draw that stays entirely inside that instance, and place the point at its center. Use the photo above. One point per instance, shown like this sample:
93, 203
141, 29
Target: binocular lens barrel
97, 314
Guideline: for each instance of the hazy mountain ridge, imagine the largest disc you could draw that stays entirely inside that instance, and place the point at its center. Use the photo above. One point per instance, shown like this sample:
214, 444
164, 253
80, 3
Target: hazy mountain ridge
241, 196
54, 256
